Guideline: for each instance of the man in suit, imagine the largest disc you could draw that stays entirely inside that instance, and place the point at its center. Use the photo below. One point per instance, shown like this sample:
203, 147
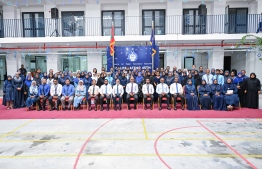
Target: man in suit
162, 90
43, 92
93, 93
176, 91
208, 77
131, 90
105, 92
118, 92
148, 91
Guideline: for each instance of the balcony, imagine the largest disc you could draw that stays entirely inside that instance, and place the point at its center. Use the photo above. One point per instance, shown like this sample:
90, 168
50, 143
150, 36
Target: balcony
128, 25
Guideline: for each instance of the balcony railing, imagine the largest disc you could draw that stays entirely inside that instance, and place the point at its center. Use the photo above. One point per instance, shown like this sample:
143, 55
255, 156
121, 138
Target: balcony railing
90, 26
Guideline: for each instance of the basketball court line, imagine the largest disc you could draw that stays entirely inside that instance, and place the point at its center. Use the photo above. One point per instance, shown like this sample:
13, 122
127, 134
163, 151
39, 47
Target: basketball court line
144, 127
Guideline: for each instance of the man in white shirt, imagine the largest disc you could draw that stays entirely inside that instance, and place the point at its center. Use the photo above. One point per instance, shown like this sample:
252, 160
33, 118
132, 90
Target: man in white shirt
55, 93
118, 92
162, 90
148, 91
131, 90
105, 92
93, 93
208, 77
176, 91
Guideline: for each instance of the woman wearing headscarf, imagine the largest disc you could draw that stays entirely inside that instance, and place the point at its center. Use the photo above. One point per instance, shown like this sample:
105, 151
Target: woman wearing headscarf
8, 92
76, 79
230, 94
87, 81
62, 79
32, 95
221, 72
191, 96
18, 91
100, 80
82, 75
37, 79
213, 71
226, 76
189, 76
26, 86
45, 76
217, 96
71, 78
252, 88
204, 96
21, 75
238, 81
80, 93
169, 79
182, 80
197, 79
66, 75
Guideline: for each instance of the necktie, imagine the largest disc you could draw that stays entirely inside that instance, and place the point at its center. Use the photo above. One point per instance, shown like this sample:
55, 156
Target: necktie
106, 88
207, 79
55, 89
147, 88
43, 89
176, 88
162, 87
132, 88
117, 89
93, 90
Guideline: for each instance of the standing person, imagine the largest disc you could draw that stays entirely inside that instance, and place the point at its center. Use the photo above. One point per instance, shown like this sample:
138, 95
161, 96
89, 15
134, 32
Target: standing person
191, 96
219, 77
238, 81
213, 71
32, 95
230, 92
43, 93
204, 96
243, 72
76, 79
93, 93
37, 79
217, 96
18, 91
109, 78
226, 76
23, 70
123, 82
105, 93
118, 92
201, 71
80, 93
252, 88
156, 82
26, 86
232, 75
150, 77
131, 90
8, 93
62, 79
100, 80
208, 77
87, 80
55, 93
221, 72
197, 79
148, 91
50, 79
68, 91
162, 91
176, 91
139, 82
169, 80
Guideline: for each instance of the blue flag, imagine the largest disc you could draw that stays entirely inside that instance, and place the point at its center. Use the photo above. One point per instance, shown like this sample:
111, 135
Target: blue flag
153, 42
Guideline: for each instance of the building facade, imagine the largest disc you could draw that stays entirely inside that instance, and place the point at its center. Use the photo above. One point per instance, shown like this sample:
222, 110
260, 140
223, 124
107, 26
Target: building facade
74, 34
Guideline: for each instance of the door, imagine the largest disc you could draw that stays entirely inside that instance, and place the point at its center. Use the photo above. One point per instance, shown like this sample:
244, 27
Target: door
33, 24
40, 62
193, 23
227, 63
161, 61
237, 20
189, 62
226, 19
2, 68
73, 23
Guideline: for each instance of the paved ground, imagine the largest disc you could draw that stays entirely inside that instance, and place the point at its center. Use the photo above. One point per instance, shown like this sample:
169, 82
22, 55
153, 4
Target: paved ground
131, 143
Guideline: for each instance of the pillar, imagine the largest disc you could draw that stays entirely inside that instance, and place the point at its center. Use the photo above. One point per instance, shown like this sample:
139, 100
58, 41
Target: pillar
218, 7
53, 62
174, 12
93, 20
132, 22
216, 58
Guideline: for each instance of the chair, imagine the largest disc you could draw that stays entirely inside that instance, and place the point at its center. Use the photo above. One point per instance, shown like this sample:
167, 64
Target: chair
178, 99
66, 101
117, 100
82, 105
105, 100
92, 100
41, 102
54, 101
163, 99
147, 99
132, 99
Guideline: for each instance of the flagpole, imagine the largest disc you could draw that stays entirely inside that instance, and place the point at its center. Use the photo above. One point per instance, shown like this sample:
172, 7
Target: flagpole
114, 50
153, 55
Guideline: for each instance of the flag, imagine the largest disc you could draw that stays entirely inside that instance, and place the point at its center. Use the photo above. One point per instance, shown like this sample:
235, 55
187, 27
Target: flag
152, 41
112, 41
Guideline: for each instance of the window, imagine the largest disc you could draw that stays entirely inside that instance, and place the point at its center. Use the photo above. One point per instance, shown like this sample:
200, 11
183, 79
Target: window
33, 24
193, 23
188, 62
73, 23
158, 16
118, 17
74, 62
104, 61
236, 20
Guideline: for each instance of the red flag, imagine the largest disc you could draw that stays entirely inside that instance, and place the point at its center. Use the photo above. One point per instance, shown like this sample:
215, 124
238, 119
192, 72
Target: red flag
112, 41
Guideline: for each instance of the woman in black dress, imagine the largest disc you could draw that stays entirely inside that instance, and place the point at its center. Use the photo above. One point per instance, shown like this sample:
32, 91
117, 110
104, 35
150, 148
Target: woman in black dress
18, 91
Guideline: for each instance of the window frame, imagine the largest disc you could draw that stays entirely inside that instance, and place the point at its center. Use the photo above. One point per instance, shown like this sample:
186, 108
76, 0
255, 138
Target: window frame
153, 16
122, 26
34, 27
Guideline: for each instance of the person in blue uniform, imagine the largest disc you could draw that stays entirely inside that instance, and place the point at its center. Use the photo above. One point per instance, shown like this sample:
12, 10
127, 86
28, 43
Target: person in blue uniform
8, 91
18, 91
217, 96
230, 94
204, 96
191, 96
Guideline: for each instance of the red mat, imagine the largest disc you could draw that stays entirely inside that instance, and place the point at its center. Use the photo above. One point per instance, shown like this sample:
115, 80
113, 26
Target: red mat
124, 113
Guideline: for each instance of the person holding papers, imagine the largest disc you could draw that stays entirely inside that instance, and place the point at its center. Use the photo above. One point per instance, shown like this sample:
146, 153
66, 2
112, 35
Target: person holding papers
176, 91
230, 92
118, 92
105, 92
162, 91
148, 91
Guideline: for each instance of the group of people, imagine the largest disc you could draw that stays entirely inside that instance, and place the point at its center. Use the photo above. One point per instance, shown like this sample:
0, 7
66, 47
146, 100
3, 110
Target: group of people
215, 88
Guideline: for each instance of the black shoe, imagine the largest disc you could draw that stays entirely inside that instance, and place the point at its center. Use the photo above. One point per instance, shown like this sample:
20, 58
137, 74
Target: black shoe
120, 108
89, 108
64, 109
168, 108
183, 108
115, 109
57, 109
68, 109
129, 108
101, 109
175, 108
107, 109
160, 108
43, 109
53, 108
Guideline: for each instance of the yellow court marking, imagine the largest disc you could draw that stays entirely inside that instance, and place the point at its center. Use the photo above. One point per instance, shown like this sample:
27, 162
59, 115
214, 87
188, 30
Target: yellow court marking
133, 155
16, 129
134, 139
144, 126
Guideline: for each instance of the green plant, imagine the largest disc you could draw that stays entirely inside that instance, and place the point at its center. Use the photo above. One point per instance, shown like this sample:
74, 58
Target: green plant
244, 41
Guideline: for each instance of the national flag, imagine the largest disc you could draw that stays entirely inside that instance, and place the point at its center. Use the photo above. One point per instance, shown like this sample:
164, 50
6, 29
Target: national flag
112, 41
152, 41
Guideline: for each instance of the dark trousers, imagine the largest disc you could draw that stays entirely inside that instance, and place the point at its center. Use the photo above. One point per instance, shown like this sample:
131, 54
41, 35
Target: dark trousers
151, 101
43, 103
119, 101
107, 100
50, 99
160, 96
181, 96
128, 99
89, 100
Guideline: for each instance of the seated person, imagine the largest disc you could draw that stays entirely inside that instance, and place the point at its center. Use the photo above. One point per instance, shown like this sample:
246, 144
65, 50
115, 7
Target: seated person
68, 91
131, 90
55, 93
80, 93
43, 93
176, 91
191, 96
32, 95
105, 92
148, 91
230, 94
162, 91
118, 92
204, 96
217, 96
93, 92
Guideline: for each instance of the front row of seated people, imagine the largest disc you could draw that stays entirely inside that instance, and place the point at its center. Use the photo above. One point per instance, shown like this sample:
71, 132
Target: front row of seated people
220, 97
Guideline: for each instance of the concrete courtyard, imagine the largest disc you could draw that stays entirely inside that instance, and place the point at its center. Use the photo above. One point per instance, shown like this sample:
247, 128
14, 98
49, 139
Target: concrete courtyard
131, 143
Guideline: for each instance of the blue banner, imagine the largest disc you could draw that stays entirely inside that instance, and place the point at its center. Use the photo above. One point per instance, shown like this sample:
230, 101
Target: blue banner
133, 57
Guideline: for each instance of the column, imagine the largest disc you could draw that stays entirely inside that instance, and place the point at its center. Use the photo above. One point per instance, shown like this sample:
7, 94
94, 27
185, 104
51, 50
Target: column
216, 58
218, 8
93, 20
53, 62
94, 60
174, 20
253, 64
173, 60
259, 7
13, 63
132, 19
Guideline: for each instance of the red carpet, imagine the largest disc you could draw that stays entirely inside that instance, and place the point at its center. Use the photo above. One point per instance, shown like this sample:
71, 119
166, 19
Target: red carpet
139, 113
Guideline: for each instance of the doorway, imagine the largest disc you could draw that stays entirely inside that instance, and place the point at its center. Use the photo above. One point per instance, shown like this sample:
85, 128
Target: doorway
161, 61
227, 63
189, 62
32, 63
3, 70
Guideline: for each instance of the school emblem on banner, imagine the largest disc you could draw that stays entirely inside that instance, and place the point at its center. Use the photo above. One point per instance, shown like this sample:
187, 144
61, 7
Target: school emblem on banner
132, 56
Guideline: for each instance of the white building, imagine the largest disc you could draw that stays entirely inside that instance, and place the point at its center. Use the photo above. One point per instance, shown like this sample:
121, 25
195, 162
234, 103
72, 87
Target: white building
83, 32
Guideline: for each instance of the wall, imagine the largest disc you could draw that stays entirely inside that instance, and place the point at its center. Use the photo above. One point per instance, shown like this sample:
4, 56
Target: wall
238, 60
94, 60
